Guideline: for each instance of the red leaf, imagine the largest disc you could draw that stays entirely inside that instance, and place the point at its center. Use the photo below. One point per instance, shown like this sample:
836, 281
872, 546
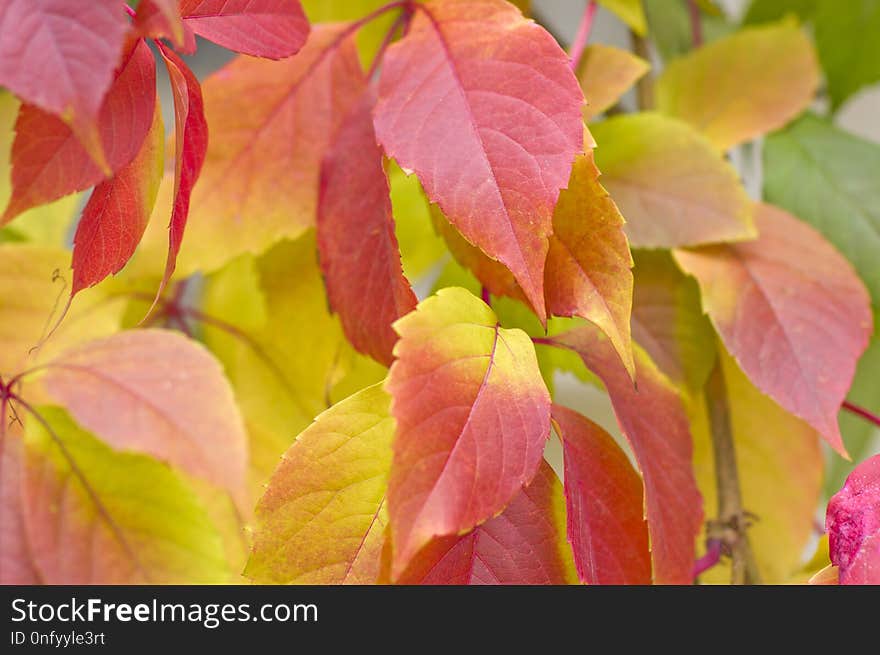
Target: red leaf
262, 28
162, 19
522, 546
16, 563
60, 55
358, 250
652, 418
473, 416
604, 499
853, 525
48, 162
791, 310
191, 146
482, 105
117, 213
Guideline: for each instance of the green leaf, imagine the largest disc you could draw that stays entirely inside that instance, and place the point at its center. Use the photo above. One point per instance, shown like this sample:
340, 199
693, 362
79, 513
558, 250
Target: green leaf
669, 26
829, 178
149, 527
766, 11
846, 35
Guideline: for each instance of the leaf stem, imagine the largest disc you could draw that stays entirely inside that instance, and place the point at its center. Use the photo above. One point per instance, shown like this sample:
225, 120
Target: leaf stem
861, 411
400, 21
696, 23
576, 51
131, 12
486, 296
731, 525
710, 559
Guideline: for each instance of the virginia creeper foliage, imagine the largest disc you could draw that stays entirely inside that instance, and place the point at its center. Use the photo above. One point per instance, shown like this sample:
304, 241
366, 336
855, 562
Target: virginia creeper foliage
320, 322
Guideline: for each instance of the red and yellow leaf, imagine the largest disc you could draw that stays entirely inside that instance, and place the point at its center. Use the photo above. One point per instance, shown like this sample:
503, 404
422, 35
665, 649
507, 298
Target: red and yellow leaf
359, 254
588, 265
473, 416
482, 105
524, 545
48, 161
744, 85
117, 213
97, 516
671, 185
792, 312
191, 145
261, 28
605, 500
652, 418
60, 56
853, 525
322, 519
156, 392
271, 124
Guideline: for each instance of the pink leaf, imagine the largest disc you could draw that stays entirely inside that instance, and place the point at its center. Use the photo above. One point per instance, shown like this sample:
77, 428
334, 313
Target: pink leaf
791, 310
158, 393
482, 105
262, 28
60, 55
358, 250
853, 525
16, 563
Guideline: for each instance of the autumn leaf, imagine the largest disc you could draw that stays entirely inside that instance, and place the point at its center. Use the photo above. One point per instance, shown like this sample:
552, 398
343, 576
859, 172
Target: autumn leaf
33, 285
779, 463
191, 145
791, 311
827, 177
117, 213
16, 564
482, 105
48, 161
739, 87
524, 545
162, 19
60, 57
261, 28
47, 224
115, 527
322, 518
588, 265
605, 74
473, 416
281, 366
359, 255
652, 418
671, 185
853, 525
271, 124
604, 499
668, 322
155, 392
630, 12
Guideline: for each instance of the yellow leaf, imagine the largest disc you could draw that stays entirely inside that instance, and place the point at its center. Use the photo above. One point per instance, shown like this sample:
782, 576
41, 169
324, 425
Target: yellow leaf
630, 12
605, 74
744, 85
780, 466
322, 519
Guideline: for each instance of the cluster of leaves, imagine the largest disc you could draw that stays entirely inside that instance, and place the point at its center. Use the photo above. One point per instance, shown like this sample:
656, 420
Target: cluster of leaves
446, 145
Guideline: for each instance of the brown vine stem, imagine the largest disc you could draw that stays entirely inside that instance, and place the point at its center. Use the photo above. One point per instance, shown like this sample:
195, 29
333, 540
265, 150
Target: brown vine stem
645, 85
732, 523
696, 23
